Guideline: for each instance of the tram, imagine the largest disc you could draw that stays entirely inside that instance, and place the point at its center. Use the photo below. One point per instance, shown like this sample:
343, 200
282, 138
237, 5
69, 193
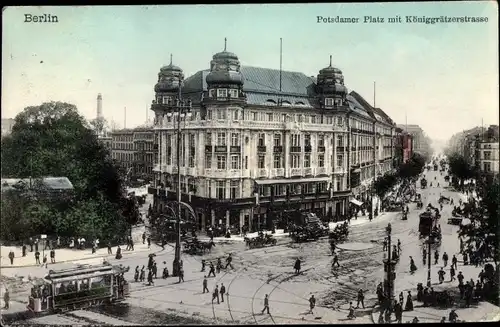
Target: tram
80, 287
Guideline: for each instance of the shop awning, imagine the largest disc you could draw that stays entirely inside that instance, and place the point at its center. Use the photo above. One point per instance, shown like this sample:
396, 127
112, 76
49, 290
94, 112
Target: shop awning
292, 181
356, 202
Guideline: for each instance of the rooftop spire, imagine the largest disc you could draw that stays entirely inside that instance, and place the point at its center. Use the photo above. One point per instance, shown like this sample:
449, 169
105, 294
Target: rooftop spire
330, 60
170, 59
225, 43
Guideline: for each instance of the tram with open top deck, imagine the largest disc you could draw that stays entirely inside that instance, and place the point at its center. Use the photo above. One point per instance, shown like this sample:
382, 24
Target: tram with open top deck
80, 287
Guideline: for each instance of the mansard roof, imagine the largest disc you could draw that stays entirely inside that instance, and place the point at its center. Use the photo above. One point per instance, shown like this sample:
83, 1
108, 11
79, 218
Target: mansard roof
262, 87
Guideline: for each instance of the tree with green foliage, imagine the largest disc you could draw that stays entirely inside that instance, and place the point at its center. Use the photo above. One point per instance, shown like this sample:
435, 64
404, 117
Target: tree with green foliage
460, 169
53, 139
412, 168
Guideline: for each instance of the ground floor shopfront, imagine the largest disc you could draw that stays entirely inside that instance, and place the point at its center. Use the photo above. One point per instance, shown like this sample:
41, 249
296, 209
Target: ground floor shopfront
255, 213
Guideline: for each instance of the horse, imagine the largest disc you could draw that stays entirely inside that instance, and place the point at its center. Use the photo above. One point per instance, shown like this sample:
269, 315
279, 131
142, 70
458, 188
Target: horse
207, 246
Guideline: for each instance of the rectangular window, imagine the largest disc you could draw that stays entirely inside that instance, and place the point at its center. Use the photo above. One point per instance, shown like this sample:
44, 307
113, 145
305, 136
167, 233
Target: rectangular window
262, 139
339, 121
209, 115
233, 93
234, 189
191, 140
236, 115
295, 139
278, 160
321, 160
339, 184
321, 140
487, 155
340, 160
208, 139
329, 102
221, 162
313, 119
261, 162
221, 190
221, 114
307, 160
283, 118
191, 161
277, 139
235, 139
487, 166
255, 116
340, 140
235, 162
269, 117
222, 93
307, 139
167, 100
221, 139
295, 160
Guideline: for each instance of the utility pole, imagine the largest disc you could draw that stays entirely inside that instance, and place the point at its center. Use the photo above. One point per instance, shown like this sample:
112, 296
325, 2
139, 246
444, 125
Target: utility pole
389, 266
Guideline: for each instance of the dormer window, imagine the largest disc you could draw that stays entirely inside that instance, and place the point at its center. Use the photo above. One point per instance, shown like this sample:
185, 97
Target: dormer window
158, 100
328, 102
222, 93
167, 100
233, 93
213, 93
338, 102
338, 81
286, 103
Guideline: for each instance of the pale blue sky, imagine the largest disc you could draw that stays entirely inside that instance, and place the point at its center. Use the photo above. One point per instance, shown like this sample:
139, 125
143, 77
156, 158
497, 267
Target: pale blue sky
443, 76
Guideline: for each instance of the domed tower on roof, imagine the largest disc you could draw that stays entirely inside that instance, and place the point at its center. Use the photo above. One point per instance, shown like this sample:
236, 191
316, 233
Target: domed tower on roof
170, 78
330, 84
225, 79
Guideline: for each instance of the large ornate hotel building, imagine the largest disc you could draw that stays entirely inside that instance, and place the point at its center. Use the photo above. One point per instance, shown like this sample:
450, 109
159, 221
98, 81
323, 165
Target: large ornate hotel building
260, 142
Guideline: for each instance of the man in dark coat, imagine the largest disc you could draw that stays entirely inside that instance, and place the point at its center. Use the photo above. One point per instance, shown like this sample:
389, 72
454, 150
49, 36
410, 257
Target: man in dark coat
215, 294
222, 291
296, 266
361, 299
52, 256
205, 285
37, 257
11, 257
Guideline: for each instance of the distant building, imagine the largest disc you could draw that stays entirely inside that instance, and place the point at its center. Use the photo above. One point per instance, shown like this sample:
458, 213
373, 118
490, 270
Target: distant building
420, 142
107, 141
48, 187
7, 125
134, 149
403, 147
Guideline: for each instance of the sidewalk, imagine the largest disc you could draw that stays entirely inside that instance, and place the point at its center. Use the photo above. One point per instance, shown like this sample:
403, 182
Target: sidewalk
66, 255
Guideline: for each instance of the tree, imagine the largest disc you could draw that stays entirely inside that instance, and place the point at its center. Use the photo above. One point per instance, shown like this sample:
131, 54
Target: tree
99, 125
459, 168
413, 167
384, 184
54, 140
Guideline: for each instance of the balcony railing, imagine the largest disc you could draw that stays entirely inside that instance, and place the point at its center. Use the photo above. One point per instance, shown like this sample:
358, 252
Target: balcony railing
262, 172
320, 171
308, 171
295, 149
277, 149
261, 148
235, 149
208, 148
296, 172
278, 172
220, 148
321, 149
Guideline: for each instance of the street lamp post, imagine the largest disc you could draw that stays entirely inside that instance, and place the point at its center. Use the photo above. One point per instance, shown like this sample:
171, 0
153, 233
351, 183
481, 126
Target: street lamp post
389, 266
182, 109
429, 242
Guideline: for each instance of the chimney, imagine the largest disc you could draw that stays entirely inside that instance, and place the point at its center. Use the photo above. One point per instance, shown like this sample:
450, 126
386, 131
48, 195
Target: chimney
99, 105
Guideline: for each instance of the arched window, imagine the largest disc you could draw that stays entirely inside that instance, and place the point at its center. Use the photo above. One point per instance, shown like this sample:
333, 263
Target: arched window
286, 103
300, 103
270, 101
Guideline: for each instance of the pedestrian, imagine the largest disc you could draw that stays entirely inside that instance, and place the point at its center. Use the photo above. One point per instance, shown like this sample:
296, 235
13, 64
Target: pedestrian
36, 245
205, 285
424, 255
296, 266
215, 294
149, 241
154, 270
31, 244
413, 267
142, 277
110, 251
144, 238
312, 304
436, 257
481, 276
454, 262
222, 291
460, 278
409, 302
150, 277
465, 258
401, 298
452, 273
385, 244
228, 261
399, 247
361, 299
351, 315
24, 250
52, 256
441, 274
335, 261
44, 259
11, 257
266, 304
165, 272
37, 257
181, 274
445, 259
136, 273
131, 244
212, 269
6, 298
453, 316
219, 265
398, 311
203, 264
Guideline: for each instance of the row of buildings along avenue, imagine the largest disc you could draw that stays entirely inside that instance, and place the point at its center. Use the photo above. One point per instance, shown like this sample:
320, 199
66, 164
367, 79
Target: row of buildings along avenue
261, 142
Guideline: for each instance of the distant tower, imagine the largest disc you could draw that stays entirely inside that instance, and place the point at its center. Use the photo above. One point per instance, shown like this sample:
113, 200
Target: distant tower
99, 105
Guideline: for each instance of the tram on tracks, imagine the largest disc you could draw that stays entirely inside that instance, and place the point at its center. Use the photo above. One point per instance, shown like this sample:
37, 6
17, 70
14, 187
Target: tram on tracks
80, 287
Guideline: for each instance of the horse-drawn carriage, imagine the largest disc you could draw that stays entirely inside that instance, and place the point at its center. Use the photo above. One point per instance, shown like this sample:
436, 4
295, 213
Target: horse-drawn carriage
444, 200
339, 233
304, 234
260, 241
428, 225
195, 247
